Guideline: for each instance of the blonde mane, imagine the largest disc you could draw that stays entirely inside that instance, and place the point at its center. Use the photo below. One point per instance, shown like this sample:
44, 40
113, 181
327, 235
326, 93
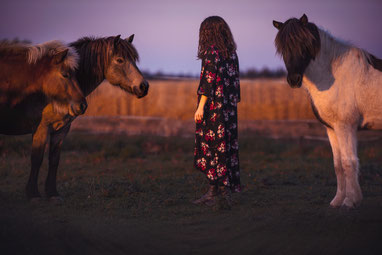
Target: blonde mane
37, 52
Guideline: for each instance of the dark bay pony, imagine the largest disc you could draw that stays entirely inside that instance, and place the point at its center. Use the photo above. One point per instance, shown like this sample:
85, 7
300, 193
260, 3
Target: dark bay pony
111, 58
345, 86
46, 68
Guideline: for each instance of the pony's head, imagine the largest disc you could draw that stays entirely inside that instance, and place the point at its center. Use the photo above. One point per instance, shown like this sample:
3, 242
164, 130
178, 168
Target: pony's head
122, 70
298, 42
58, 63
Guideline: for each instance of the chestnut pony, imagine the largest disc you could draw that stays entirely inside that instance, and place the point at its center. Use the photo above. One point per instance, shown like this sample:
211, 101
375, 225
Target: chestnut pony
110, 58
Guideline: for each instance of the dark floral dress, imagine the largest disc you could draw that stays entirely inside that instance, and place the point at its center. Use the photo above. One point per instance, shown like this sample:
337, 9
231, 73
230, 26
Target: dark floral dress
216, 140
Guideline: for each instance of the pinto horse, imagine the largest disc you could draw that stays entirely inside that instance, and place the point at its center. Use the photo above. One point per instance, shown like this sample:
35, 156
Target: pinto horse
46, 68
111, 58
345, 86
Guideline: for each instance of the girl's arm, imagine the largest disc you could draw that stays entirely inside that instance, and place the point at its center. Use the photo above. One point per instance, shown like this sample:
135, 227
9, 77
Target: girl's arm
200, 111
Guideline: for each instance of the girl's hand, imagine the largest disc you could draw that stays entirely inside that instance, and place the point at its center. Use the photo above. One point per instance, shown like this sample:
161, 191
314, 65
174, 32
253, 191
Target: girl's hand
199, 114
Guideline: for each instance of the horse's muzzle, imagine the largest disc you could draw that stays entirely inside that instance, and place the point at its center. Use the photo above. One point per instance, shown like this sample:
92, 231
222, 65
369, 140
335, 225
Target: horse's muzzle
142, 90
78, 108
295, 80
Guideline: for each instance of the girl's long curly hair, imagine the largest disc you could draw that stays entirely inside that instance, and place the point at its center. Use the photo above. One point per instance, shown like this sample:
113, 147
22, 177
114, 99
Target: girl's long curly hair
215, 31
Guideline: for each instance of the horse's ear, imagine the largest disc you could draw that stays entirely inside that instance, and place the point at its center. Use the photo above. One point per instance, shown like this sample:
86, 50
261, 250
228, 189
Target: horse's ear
277, 24
116, 40
304, 19
60, 56
130, 38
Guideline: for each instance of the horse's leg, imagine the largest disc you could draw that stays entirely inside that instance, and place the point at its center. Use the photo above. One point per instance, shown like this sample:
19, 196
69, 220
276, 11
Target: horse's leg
347, 140
341, 184
56, 140
39, 139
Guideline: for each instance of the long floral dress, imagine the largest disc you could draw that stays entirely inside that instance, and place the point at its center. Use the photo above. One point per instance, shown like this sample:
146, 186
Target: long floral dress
216, 139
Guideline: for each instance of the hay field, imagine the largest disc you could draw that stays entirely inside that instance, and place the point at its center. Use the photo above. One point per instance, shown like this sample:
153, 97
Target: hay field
262, 99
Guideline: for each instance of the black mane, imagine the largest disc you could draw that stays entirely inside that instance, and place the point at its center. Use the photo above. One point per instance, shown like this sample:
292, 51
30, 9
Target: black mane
295, 39
374, 61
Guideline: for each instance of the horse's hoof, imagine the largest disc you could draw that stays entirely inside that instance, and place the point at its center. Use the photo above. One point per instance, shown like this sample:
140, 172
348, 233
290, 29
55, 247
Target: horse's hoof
348, 204
334, 206
57, 200
335, 203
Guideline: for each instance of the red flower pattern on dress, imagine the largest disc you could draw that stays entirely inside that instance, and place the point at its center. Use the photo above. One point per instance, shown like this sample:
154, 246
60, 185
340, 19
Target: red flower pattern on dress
221, 170
219, 91
210, 136
205, 147
221, 131
201, 163
213, 117
210, 77
221, 147
211, 174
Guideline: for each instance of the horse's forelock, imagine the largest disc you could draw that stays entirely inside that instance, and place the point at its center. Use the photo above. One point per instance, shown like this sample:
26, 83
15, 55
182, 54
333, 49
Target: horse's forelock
293, 39
71, 60
128, 50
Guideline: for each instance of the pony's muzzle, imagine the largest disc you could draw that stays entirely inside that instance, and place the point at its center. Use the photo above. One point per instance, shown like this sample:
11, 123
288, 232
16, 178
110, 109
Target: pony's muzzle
294, 80
78, 108
142, 90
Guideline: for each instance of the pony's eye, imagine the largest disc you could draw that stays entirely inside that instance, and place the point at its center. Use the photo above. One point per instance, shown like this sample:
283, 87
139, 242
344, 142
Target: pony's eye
66, 75
120, 60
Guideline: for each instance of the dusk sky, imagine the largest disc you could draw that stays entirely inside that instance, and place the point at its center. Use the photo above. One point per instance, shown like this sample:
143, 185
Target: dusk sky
166, 31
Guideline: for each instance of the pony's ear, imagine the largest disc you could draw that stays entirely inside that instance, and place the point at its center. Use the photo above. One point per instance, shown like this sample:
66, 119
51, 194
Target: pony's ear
304, 19
130, 38
60, 56
116, 40
278, 24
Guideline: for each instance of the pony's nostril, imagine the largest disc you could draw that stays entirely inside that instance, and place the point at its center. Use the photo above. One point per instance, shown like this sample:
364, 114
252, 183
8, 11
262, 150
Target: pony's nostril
83, 107
143, 86
298, 79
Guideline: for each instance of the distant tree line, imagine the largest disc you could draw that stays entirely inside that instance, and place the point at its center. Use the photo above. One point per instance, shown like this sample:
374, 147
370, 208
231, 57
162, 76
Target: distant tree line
15, 40
251, 73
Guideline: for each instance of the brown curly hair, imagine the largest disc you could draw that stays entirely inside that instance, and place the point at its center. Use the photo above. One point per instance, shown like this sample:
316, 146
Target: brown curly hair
215, 31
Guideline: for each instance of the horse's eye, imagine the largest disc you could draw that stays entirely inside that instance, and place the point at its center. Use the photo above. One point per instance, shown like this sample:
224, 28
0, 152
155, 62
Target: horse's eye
66, 75
120, 60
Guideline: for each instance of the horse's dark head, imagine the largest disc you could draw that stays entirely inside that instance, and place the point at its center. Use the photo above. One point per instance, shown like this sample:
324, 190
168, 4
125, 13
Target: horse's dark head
298, 42
122, 70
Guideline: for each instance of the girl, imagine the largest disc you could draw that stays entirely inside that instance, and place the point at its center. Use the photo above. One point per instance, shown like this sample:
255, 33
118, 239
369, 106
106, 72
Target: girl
216, 143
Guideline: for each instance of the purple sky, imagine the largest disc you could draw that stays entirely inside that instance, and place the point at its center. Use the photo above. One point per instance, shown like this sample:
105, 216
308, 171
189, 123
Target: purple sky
166, 31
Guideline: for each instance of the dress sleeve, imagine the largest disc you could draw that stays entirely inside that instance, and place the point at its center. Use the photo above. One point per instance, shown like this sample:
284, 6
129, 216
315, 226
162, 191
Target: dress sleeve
208, 75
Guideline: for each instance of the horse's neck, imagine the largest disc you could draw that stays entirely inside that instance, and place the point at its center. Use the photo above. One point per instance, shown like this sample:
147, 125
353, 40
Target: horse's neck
319, 75
89, 80
88, 76
88, 83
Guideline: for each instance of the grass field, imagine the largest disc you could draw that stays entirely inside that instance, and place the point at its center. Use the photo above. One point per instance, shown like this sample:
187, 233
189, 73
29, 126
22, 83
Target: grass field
132, 195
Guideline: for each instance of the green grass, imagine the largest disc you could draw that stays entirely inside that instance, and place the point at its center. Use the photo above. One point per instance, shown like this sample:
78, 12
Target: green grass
142, 187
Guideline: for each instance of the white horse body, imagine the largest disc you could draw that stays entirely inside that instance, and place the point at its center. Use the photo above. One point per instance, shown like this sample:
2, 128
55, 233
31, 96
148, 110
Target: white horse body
346, 91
